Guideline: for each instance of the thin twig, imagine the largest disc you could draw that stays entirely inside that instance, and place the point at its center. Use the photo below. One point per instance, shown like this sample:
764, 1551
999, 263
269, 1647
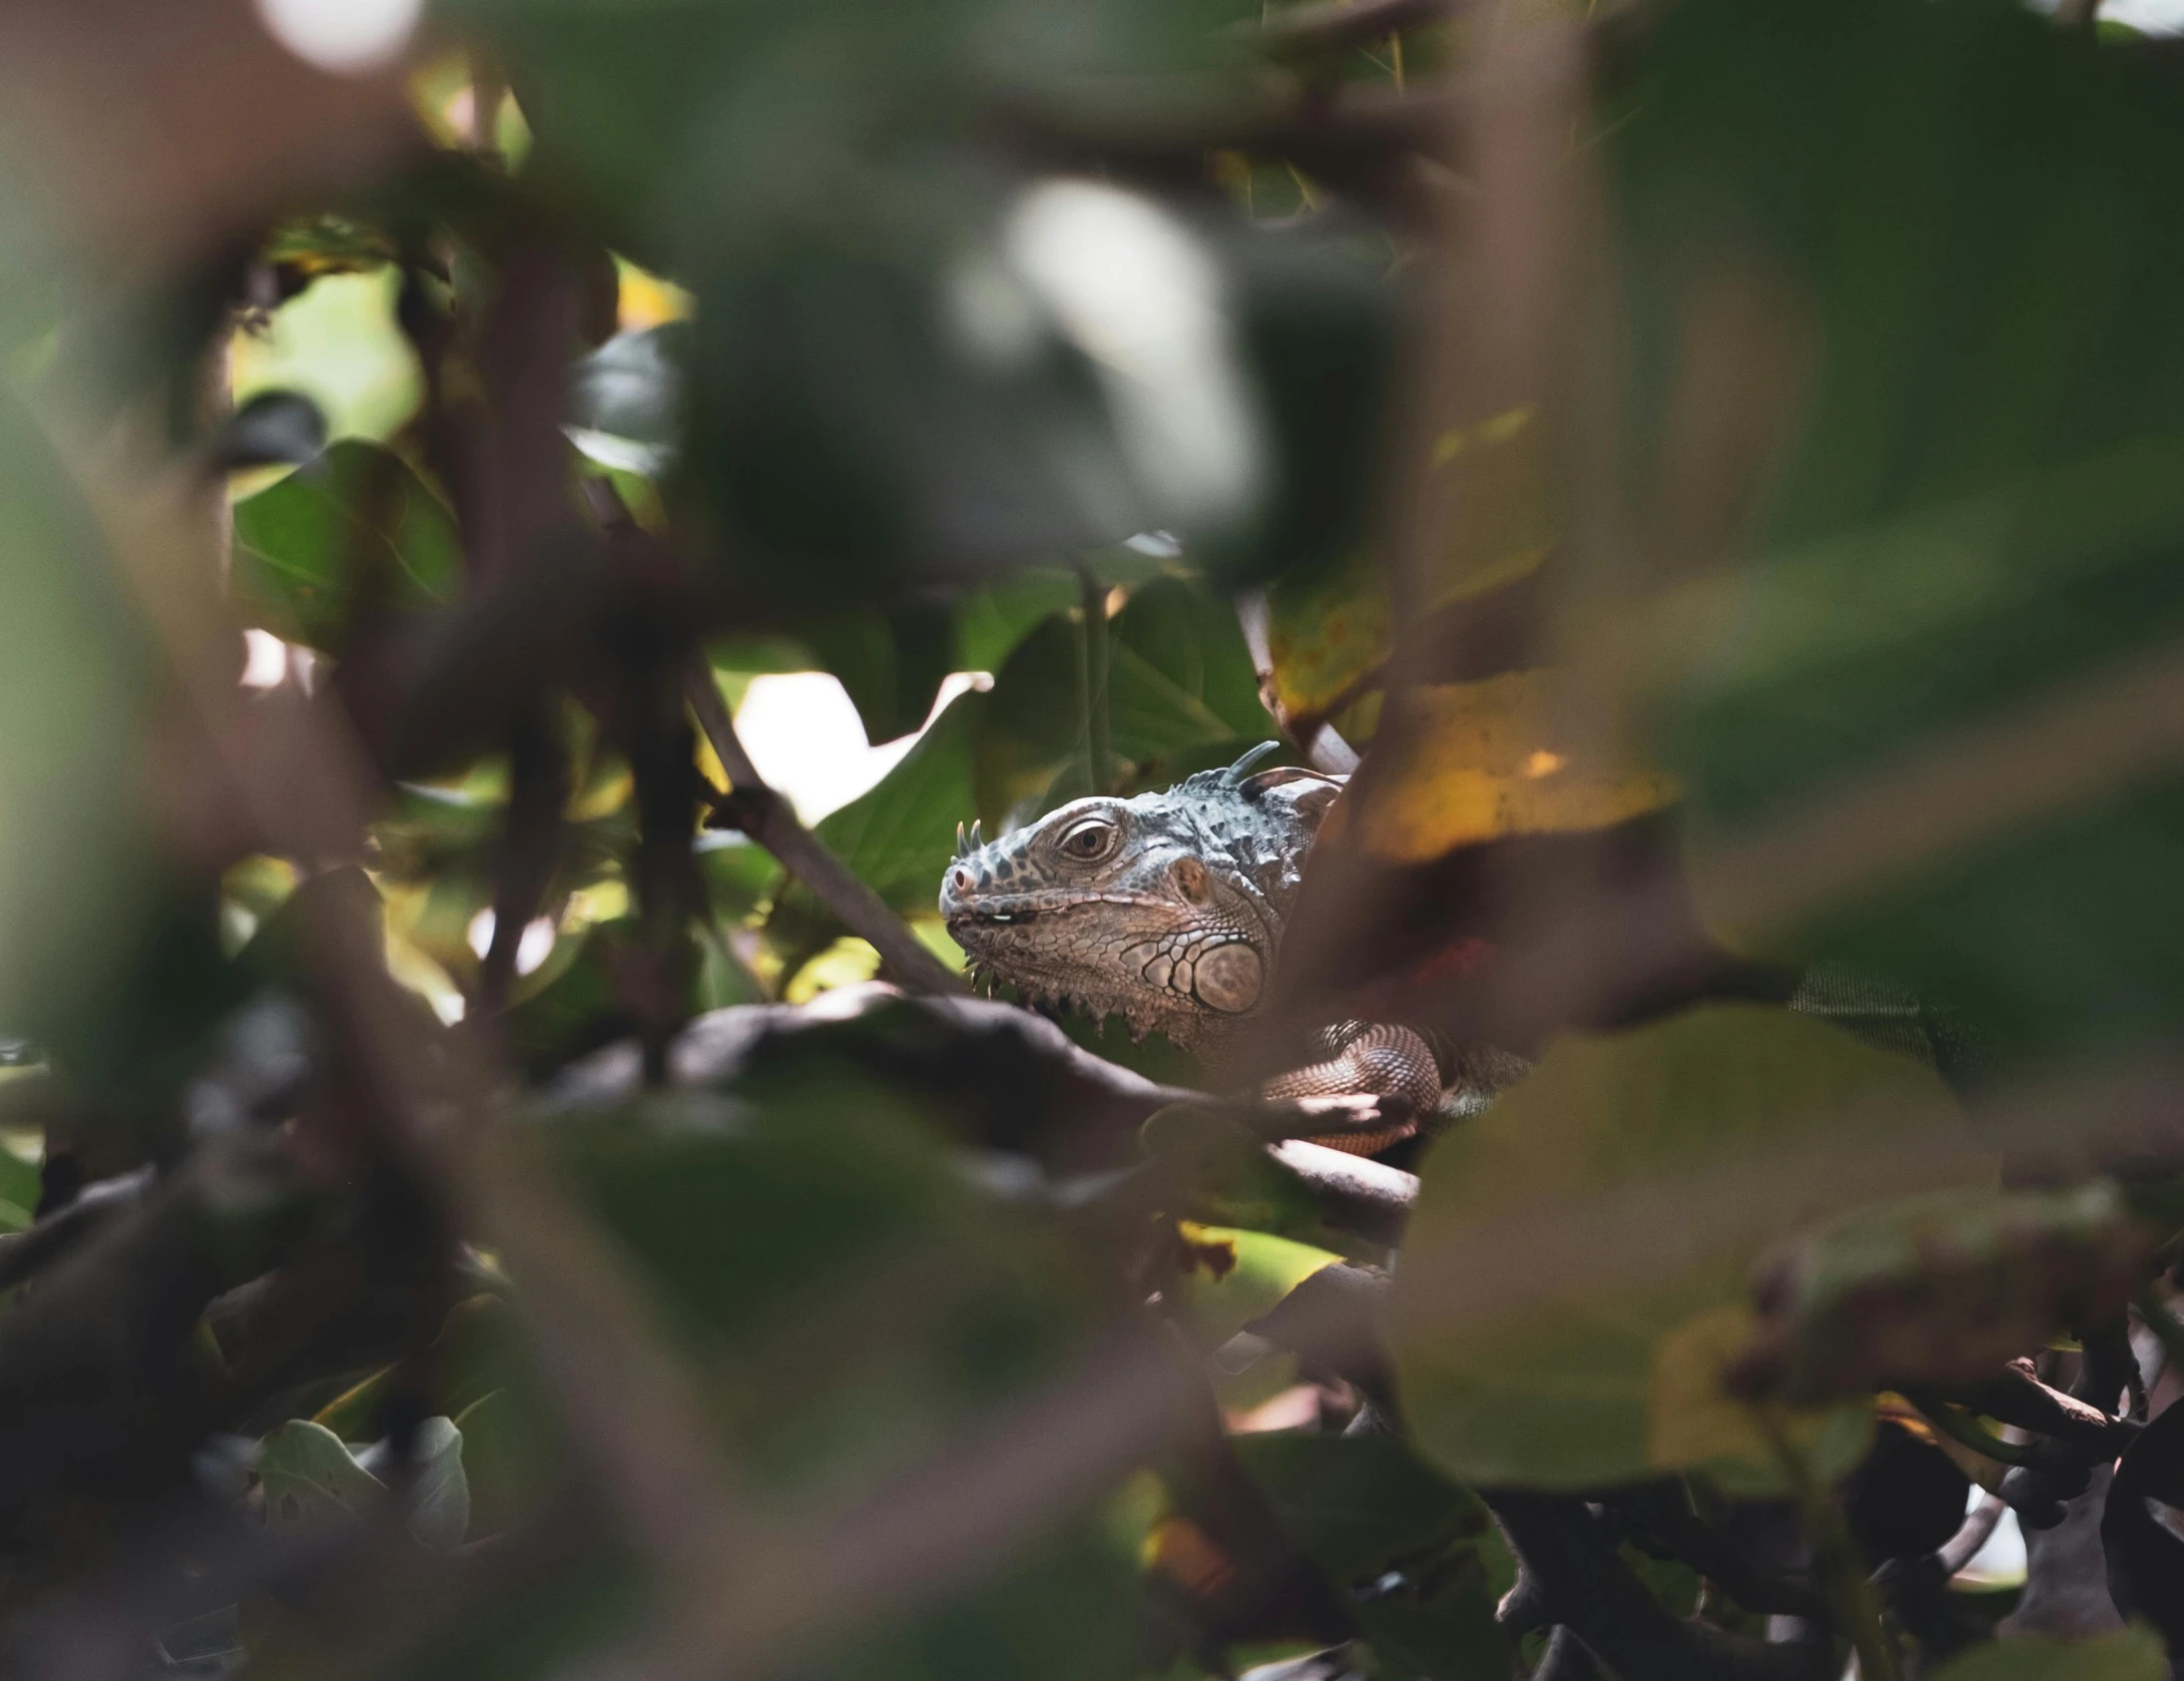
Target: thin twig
1586, 1586
760, 813
2164, 1326
1842, 1573
1962, 1428
1092, 681
531, 833
1326, 27
1973, 1535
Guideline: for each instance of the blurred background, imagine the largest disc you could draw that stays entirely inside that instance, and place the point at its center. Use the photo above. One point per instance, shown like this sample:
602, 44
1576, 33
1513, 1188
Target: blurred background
527, 526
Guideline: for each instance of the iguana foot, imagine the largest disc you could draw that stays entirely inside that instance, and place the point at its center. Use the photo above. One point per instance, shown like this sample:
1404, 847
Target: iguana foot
1369, 1060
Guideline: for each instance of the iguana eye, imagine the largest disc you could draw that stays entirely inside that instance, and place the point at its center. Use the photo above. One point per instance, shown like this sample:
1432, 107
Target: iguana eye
1090, 840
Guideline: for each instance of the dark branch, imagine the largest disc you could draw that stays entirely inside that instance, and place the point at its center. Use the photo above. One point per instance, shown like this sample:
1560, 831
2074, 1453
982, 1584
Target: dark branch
1663, 1517
760, 813
1586, 1589
35, 1246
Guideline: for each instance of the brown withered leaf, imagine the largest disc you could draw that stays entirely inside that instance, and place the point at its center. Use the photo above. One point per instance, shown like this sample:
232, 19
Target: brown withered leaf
1939, 1288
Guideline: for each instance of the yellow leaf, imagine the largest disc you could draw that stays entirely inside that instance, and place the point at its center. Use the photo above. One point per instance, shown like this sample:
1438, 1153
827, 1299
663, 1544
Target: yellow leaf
1490, 760
1503, 527
648, 301
1328, 633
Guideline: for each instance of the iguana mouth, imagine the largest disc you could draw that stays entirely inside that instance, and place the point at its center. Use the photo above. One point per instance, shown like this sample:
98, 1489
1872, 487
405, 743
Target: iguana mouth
1026, 907
1022, 914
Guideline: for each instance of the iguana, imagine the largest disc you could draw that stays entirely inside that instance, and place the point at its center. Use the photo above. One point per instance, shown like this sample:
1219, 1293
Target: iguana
1167, 909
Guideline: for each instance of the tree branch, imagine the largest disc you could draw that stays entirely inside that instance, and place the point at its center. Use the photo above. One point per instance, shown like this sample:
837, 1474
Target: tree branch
1574, 1572
1092, 677
760, 813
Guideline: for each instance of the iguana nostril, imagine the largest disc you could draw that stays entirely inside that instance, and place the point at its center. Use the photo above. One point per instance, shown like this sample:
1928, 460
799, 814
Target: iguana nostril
961, 882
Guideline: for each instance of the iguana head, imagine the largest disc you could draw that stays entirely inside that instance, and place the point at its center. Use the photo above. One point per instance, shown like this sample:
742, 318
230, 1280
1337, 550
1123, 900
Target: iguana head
1165, 909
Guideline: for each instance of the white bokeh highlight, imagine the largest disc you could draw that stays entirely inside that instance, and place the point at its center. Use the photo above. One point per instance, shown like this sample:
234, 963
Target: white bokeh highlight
1135, 290
805, 737
536, 945
343, 37
265, 660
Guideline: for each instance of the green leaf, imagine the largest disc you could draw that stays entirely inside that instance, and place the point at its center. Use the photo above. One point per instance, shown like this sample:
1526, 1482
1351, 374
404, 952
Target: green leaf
1224, 1176
337, 342
991, 619
1363, 1506
509, 1453
1330, 630
1595, 1386
1222, 1295
899, 835
355, 526
740, 876
438, 1514
329, 245
891, 662
2130, 1654
88, 909
312, 1481
1181, 676
1180, 696
852, 1306
20, 1183
1966, 494
580, 1008
1360, 1505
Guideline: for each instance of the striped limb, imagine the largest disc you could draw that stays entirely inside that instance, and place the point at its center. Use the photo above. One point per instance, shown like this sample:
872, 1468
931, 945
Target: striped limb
1366, 1059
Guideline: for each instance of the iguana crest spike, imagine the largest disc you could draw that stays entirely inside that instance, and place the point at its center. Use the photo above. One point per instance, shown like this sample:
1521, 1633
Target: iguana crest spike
1233, 775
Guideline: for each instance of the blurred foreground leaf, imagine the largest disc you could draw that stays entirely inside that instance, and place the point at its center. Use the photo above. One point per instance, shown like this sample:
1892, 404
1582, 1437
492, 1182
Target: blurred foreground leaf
357, 527
850, 1307
1492, 759
1568, 1392
1944, 1288
1417, 1555
2126, 1655
1975, 518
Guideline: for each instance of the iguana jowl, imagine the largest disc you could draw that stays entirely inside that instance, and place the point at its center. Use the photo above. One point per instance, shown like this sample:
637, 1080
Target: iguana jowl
1167, 909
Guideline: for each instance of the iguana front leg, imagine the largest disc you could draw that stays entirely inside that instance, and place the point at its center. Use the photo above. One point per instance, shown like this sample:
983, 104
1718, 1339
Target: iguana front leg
1366, 1059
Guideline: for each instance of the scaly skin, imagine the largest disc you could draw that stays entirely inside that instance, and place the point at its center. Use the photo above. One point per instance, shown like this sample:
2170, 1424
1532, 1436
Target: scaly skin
1167, 911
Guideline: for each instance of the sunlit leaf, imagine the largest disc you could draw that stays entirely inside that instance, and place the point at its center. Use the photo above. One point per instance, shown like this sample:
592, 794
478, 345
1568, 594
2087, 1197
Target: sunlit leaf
1496, 759
312, 1481
336, 343
437, 1512
1236, 1276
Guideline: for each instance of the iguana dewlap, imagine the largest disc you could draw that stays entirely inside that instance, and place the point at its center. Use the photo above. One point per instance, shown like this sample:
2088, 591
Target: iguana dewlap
1167, 909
